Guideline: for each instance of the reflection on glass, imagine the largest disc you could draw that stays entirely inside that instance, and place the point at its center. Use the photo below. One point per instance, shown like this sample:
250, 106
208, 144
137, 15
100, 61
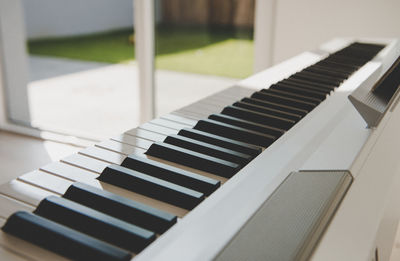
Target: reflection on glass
206, 37
208, 44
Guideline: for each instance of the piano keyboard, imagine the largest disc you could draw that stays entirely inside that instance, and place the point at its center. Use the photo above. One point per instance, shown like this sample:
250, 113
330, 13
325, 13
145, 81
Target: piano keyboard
114, 199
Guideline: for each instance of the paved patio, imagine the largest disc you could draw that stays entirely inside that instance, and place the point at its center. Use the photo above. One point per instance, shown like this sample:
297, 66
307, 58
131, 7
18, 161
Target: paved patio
97, 100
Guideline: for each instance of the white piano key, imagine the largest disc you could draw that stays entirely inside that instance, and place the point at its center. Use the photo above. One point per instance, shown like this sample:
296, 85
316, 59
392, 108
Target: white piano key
238, 92
136, 141
210, 104
9, 205
122, 148
193, 115
145, 134
59, 180
8, 254
229, 98
157, 129
68, 171
190, 115
197, 112
86, 162
46, 181
101, 155
202, 109
220, 96
227, 94
218, 99
104, 155
59, 185
24, 192
216, 103
120, 152
63, 175
176, 118
168, 124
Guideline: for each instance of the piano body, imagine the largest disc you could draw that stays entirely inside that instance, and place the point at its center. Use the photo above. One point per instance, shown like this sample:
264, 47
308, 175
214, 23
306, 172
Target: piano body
328, 188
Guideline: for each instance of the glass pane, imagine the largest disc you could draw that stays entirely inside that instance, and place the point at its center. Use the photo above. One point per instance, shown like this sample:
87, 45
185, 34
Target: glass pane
83, 80
201, 47
83, 75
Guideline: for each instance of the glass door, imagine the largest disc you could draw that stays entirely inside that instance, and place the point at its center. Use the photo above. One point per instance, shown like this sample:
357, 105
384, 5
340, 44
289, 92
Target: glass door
14, 106
82, 78
202, 47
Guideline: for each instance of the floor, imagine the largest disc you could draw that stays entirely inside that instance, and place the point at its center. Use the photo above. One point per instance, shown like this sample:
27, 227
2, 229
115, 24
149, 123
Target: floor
98, 100
20, 154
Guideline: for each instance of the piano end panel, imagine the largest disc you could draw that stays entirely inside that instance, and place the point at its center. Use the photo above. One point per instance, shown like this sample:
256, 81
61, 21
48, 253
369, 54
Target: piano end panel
375, 194
290, 223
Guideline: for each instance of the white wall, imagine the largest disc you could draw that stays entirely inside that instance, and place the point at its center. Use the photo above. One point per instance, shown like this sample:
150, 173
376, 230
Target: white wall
305, 24
54, 18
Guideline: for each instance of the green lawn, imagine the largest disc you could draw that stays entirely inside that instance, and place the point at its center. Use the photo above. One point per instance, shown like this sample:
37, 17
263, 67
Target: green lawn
198, 50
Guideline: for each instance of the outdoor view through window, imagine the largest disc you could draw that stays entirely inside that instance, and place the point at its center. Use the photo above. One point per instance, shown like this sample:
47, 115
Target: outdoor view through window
83, 73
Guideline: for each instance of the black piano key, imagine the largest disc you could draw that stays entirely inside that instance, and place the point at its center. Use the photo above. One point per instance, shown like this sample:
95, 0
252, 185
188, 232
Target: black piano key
331, 72
274, 105
171, 174
308, 85
298, 90
368, 47
258, 117
221, 141
61, 239
338, 66
358, 50
119, 207
304, 76
235, 132
193, 159
95, 223
325, 65
329, 75
266, 110
209, 149
323, 86
373, 49
150, 186
347, 63
292, 95
353, 52
321, 78
284, 100
332, 68
352, 56
303, 86
247, 124
356, 61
